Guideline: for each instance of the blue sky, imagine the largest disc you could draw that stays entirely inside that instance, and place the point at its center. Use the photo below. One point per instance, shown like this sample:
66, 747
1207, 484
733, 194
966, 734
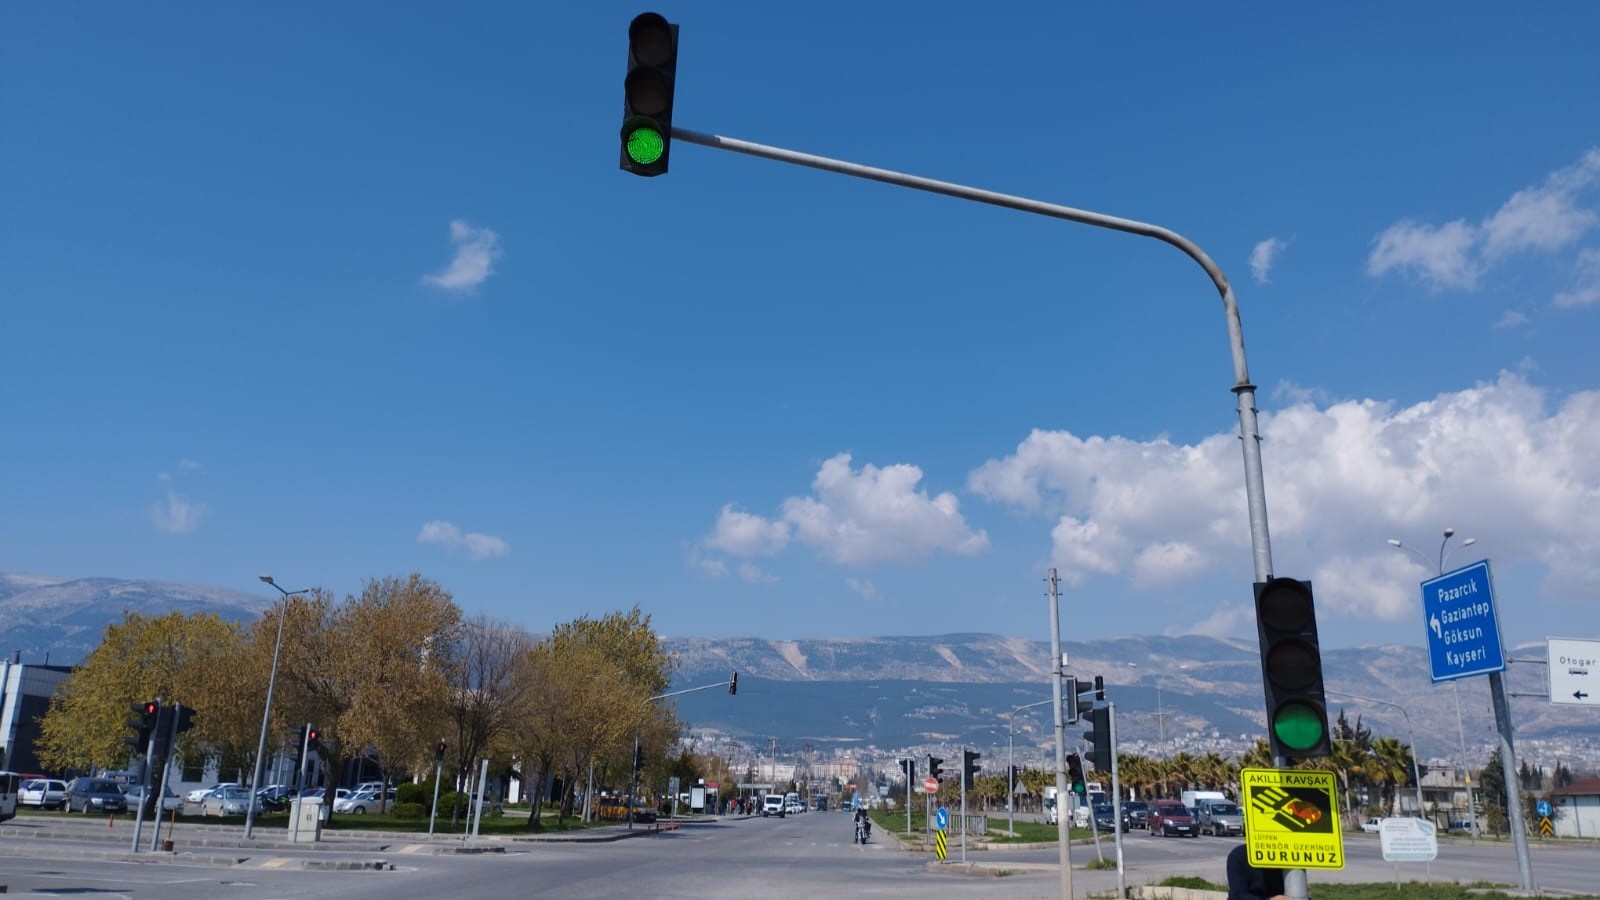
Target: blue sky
338, 291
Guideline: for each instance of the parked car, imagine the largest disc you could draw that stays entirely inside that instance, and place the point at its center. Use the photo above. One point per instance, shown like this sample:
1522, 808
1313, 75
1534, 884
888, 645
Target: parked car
229, 801
365, 801
1169, 817
89, 794
1135, 814
199, 794
43, 793
170, 802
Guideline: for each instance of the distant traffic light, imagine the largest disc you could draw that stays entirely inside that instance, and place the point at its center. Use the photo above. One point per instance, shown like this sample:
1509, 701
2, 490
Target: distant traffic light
1099, 737
969, 767
909, 766
935, 766
185, 718
638, 756
647, 94
733, 684
438, 753
1291, 669
143, 724
1075, 774
1081, 697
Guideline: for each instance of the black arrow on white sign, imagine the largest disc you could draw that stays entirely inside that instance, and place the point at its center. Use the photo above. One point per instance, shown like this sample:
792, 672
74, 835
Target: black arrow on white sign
1579, 694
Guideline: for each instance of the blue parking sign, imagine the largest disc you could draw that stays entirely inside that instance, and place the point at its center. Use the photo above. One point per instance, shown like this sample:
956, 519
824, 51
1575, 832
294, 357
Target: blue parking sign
1463, 630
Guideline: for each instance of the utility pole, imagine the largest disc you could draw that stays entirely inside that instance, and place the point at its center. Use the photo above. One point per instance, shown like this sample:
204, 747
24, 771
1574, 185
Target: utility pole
1057, 664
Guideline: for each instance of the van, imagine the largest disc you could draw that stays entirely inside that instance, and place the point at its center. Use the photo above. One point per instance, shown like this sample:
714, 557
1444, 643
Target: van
1050, 806
1221, 818
772, 805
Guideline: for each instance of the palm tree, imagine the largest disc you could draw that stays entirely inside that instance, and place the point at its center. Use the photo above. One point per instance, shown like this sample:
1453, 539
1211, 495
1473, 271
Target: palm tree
1390, 767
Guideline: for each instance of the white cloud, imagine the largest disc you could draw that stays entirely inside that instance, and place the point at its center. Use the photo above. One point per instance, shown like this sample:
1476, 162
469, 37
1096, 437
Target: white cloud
1585, 290
177, 514
854, 518
1262, 257
750, 573
1511, 318
476, 251
1545, 218
1502, 457
863, 588
477, 546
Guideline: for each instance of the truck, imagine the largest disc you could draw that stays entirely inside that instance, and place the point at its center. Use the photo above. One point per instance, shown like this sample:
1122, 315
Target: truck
1192, 798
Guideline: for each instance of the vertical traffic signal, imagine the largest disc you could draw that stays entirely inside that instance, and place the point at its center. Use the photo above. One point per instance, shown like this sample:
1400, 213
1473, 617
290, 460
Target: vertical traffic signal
909, 767
1099, 737
143, 724
1291, 669
969, 767
733, 684
1075, 774
185, 719
638, 756
935, 766
647, 94
438, 754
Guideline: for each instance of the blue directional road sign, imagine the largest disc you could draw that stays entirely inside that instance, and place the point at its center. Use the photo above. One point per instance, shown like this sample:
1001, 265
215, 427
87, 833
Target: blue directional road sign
941, 819
1463, 632
1544, 809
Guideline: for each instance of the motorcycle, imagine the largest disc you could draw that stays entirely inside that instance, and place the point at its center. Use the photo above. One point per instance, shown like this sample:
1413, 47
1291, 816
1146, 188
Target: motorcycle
863, 830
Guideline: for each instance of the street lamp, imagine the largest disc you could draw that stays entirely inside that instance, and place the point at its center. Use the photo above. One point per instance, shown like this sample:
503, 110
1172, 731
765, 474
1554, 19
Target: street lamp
1455, 685
1416, 771
1011, 766
266, 714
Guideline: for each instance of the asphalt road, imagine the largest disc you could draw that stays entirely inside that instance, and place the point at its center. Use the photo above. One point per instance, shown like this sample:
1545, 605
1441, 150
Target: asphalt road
800, 856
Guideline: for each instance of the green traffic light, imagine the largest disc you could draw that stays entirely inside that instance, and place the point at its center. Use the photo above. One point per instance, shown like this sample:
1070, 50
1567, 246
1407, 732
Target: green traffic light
1298, 726
644, 144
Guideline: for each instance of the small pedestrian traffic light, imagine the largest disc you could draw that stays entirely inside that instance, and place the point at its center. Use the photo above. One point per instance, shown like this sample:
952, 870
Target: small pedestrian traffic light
1075, 774
733, 684
438, 753
1291, 669
935, 766
647, 94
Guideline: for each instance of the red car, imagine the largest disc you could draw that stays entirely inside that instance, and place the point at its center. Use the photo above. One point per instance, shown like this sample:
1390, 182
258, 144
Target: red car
1169, 817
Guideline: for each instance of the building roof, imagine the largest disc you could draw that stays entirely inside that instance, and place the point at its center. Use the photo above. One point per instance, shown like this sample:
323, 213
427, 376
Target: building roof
1585, 787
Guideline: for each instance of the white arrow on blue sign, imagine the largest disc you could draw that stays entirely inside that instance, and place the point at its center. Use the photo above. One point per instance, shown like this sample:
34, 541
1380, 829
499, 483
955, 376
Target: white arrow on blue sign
942, 819
1463, 631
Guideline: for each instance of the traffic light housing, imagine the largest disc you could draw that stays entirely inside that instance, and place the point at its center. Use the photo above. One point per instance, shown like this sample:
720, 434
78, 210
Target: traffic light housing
1081, 697
647, 94
438, 753
185, 718
1099, 737
1291, 669
969, 767
733, 684
935, 766
909, 766
638, 756
1075, 774
143, 725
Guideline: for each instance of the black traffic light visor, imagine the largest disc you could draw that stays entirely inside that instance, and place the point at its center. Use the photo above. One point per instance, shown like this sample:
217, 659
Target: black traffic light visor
650, 39
1285, 605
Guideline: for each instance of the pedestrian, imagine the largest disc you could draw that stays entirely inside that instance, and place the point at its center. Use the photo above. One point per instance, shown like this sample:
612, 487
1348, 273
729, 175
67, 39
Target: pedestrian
1246, 882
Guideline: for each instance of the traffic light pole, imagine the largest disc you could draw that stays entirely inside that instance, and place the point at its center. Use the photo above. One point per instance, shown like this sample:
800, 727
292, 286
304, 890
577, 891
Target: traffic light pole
1243, 389
1063, 788
144, 781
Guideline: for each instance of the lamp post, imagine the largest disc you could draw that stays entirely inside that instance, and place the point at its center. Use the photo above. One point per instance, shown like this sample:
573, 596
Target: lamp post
1416, 771
266, 714
1455, 686
1011, 767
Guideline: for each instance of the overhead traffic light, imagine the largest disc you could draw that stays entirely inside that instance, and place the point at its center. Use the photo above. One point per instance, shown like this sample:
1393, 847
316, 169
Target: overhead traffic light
1291, 669
647, 94
969, 767
1099, 737
733, 684
1075, 774
935, 766
143, 724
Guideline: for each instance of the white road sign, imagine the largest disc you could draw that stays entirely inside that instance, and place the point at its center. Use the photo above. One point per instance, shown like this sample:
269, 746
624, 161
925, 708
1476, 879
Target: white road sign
1408, 840
1574, 671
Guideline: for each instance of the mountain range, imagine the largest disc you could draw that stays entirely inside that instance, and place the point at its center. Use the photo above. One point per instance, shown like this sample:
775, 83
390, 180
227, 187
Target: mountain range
915, 693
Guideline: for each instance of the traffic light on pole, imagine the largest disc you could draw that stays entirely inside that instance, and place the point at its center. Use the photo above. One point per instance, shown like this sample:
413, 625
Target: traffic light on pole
1099, 737
935, 766
1075, 774
185, 719
969, 767
299, 745
143, 724
638, 756
647, 94
438, 753
1291, 669
733, 684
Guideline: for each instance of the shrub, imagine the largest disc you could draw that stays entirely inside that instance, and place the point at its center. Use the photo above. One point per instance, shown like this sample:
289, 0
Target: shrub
419, 794
403, 810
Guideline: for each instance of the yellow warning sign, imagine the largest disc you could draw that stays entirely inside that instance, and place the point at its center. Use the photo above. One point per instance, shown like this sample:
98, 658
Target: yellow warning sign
938, 843
1545, 828
1291, 819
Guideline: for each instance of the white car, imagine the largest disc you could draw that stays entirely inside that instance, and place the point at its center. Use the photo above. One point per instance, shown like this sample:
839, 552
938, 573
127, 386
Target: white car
44, 793
229, 801
170, 802
199, 794
1372, 826
364, 801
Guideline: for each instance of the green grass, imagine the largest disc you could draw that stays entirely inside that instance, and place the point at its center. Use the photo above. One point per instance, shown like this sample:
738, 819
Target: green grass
1027, 832
1410, 890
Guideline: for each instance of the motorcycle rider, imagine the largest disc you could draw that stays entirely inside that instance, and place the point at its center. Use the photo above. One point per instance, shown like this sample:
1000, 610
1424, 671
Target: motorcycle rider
863, 825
